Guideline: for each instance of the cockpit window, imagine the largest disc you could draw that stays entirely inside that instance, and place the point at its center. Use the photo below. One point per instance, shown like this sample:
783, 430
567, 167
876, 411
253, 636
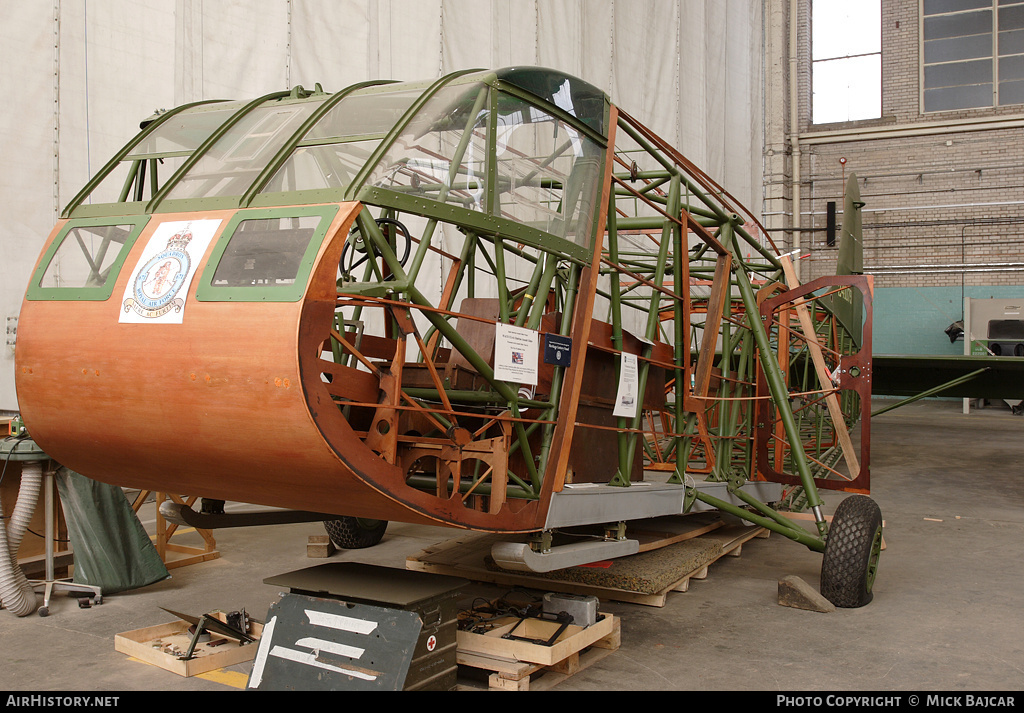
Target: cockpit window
85, 259
184, 132
548, 171
341, 142
442, 153
230, 166
266, 254
151, 162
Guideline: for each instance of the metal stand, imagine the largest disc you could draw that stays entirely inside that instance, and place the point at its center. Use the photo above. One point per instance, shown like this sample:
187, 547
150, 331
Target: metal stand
50, 584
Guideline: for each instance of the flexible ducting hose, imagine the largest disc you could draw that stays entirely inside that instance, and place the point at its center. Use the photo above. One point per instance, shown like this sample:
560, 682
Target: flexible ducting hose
16, 592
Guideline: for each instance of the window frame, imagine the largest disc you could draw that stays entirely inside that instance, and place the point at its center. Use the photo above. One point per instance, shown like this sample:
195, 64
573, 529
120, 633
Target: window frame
816, 62
37, 292
993, 57
206, 291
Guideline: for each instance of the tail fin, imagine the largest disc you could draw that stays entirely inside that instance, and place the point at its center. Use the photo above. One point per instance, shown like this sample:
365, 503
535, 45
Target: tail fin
851, 244
848, 305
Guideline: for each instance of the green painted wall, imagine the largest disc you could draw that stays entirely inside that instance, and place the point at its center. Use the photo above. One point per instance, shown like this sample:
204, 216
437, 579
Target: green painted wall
912, 320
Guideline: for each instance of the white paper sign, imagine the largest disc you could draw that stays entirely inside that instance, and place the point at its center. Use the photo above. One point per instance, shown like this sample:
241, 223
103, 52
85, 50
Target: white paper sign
515, 354
158, 285
626, 397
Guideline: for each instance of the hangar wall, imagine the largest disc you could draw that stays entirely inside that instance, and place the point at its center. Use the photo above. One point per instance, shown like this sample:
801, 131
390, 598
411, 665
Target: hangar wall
942, 188
81, 74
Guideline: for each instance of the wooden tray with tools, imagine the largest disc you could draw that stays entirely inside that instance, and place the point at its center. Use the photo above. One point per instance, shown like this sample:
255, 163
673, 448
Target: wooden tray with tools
165, 645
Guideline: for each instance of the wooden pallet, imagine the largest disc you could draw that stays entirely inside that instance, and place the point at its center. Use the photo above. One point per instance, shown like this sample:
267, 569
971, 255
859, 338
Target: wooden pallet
509, 672
644, 578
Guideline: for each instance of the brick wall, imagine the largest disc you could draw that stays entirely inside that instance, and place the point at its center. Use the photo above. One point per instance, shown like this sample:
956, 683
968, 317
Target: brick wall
938, 197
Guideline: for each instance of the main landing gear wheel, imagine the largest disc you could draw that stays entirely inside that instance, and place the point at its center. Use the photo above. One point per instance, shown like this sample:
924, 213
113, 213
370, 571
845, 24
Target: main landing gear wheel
355, 533
851, 552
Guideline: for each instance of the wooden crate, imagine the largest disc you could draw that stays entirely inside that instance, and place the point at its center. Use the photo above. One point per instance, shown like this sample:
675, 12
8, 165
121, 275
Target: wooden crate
151, 645
522, 665
573, 640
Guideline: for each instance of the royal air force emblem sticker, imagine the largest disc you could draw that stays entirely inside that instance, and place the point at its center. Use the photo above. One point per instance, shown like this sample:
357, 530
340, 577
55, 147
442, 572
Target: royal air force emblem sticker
159, 284
159, 281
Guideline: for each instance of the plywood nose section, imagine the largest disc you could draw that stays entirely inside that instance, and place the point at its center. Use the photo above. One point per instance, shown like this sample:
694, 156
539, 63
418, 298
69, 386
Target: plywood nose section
227, 401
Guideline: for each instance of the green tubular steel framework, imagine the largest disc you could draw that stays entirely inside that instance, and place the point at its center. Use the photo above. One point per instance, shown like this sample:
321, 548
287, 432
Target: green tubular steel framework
522, 197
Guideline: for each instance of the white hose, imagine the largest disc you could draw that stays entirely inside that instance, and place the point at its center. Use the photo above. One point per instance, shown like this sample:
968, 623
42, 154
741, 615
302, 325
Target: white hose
16, 593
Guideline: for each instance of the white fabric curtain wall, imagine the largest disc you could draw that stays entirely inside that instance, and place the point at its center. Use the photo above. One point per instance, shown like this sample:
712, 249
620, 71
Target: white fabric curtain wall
230, 49
81, 74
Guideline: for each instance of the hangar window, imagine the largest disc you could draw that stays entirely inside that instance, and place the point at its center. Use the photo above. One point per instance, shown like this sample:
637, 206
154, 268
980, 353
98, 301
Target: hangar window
846, 60
266, 254
973, 53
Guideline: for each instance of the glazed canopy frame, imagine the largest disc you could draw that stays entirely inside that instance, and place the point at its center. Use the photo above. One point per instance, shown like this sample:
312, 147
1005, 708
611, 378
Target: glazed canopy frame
414, 227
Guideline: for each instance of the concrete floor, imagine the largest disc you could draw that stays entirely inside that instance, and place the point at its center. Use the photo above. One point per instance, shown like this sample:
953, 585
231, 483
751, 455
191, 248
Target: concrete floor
946, 614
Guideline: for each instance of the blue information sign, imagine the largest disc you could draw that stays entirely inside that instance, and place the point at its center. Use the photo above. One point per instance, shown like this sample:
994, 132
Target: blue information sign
557, 350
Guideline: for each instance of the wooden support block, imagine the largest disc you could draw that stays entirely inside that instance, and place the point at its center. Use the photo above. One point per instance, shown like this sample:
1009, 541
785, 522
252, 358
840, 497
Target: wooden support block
567, 666
498, 682
795, 592
683, 586
613, 640
319, 546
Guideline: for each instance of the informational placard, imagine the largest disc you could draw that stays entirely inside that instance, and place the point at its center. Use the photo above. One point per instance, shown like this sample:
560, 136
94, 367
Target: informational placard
515, 354
557, 350
158, 285
626, 397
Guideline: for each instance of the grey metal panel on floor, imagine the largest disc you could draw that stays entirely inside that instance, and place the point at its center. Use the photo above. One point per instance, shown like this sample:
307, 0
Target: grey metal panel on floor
369, 583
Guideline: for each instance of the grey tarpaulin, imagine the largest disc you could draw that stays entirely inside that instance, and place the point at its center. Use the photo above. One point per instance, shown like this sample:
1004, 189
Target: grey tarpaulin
112, 550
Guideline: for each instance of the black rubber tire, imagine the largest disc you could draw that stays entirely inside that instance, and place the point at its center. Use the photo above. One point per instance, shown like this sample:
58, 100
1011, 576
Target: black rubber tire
852, 552
354, 533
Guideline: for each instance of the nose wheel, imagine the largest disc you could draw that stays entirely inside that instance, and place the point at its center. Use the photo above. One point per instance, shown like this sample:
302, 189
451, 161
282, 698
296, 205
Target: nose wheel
355, 533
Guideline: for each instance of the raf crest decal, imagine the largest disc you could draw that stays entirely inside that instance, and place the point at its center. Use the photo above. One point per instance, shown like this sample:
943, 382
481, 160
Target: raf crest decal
159, 284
